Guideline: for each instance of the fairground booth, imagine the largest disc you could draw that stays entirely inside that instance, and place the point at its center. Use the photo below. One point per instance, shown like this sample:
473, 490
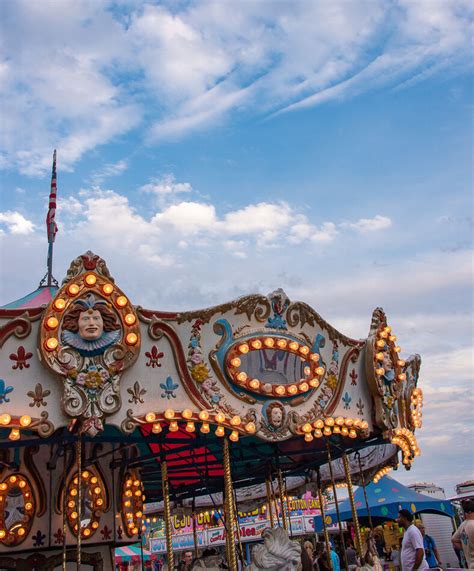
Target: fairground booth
106, 405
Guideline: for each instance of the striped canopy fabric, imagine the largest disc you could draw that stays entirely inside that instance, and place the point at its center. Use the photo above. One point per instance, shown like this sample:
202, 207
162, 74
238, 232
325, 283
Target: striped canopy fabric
41, 296
132, 553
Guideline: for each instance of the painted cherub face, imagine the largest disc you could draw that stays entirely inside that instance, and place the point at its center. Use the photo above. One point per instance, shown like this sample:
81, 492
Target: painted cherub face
276, 417
91, 325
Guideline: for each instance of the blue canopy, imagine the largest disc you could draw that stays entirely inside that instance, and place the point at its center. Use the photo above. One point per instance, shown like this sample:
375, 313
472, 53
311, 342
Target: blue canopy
385, 499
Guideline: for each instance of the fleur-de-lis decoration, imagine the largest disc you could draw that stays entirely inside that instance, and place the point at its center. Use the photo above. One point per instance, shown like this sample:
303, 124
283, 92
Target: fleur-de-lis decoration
119, 532
38, 539
106, 533
346, 399
4, 391
38, 395
354, 376
58, 536
360, 407
136, 393
168, 387
21, 357
154, 357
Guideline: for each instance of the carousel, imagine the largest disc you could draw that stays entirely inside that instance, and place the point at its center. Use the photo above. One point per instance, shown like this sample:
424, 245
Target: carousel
107, 407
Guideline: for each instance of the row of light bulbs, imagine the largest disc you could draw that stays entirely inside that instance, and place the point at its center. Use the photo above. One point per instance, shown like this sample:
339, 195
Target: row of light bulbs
16, 424
133, 498
15, 480
381, 473
385, 336
344, 426
406, 441
416, 406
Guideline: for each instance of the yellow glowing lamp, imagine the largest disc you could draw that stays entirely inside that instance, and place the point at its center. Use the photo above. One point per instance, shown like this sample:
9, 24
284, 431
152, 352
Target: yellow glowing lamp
254, 384
318, 433
236, 362
203, 415
242, 377
250, 427
86, 532
235, 420
304, 350
234, 436
304, 387
121, 301
169, 414
306, 427
60, 304
73, 289
174, 426
205, 428
269, 342
51, 344
150, 416
292, 389
91, 279
220, 417
294, 346
280, 390
5, 419
244, 348
107, 289
190, 426
281, 343
319, 423
131, 339
329, 421
308, 437
25, 420
14, 434
156, 429
220, 431
52, 323
21, 531
85, 474
257, 344
320, 371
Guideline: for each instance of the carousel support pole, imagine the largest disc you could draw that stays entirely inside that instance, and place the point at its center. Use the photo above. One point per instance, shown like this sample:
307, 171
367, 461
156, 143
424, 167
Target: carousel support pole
275, 503
229, 509
269, 500
64, 504
167, 513
237, 528
195, 539
281, 491
289, 508
341, 533
362, 478
79, 499
323, 517
355, 519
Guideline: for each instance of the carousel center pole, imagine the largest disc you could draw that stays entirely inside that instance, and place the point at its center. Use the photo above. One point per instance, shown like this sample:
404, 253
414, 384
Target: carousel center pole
229, 509
79, 499
355, 519
269, 500
167, 513
323, 517
341, 533
281, 491
195, 539
237, 527
64, 502
362, 478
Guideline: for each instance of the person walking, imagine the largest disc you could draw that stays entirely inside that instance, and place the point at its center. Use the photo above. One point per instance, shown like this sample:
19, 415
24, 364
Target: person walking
463, 537
413, 550
431, 550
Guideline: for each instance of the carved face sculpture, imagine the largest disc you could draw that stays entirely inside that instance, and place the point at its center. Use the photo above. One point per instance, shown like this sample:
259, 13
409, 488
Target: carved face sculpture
276, 415
91, 324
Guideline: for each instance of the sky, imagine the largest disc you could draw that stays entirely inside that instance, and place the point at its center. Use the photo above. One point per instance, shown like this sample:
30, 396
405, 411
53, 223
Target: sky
209, 150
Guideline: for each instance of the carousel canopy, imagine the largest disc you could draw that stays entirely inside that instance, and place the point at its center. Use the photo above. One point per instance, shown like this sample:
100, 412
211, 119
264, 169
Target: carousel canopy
41, 296
132, 553
385, 500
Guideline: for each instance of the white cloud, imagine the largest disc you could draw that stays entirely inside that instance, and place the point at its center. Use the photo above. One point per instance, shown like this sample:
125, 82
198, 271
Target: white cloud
364, 225
108, 170
166, 185
16, 222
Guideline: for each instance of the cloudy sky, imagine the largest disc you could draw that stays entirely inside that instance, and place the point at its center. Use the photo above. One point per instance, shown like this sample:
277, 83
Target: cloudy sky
209, 150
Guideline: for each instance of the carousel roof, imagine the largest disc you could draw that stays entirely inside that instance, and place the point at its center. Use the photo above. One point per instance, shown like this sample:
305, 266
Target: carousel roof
40, 296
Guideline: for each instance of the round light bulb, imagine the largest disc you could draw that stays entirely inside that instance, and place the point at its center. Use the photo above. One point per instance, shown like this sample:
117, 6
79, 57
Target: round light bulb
60, 304
25, 420
52, 343
121, 301
91, 279
203, 415
107, 289
174, 426
52, 323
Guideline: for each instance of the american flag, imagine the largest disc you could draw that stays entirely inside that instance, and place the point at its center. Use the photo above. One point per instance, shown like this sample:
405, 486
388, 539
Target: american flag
50, 217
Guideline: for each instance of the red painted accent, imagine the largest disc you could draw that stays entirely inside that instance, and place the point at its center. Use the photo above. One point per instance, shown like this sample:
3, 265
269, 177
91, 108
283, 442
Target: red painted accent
149, 313
30, 311
21, 357
351, 355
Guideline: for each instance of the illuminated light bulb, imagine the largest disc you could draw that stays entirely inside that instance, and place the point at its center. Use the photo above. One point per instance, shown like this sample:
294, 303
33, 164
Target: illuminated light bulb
3, 486
138, 493
14, 434
2, 533
234, 436
127, 504
86, 532
156, 428
397, 349
21, 531
121, 301
51, 343
327, 431
73, 289
220, 417
174, 426
5, 419
294, 346
352, 433
60, 304
318, 424
402, 377
314, 357
220, 431
348, 421
244, 348
138, 514
308, 437
22, 484
71, 504
282, 343
236, 362
336, 429
269, 342
329, 421
97, 490
236, 420
169, 414
90, 279
292, 389
380, 343
129, 483
131, 339
344, 431
401, 363
304, 387
190, 426
150, 416
320, 371
307, 371
280, 390
306, 427
203, 415
318, 433
254, 384
74, 515
304, 350
393, 338
130, 319
187, 413
107, 289
364, 425
339, 421
242, 377
85, 474
13, 479
52, 323
384, 334
73, 492
380, 356
250, 427
256, 344
380, 371
205, 428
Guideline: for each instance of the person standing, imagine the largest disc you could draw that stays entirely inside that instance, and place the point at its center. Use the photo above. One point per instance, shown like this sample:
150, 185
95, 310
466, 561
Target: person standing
413, 550
463, 538
431, 551
351, 556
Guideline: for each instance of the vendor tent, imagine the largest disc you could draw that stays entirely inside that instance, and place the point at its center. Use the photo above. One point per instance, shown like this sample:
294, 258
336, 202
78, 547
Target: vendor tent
385, 499
131, 553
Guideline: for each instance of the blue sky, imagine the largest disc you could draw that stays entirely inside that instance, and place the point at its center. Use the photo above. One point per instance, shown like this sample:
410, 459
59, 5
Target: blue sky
208, 150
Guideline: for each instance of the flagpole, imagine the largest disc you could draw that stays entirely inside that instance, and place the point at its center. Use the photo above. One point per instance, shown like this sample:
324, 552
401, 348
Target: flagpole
51, 229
